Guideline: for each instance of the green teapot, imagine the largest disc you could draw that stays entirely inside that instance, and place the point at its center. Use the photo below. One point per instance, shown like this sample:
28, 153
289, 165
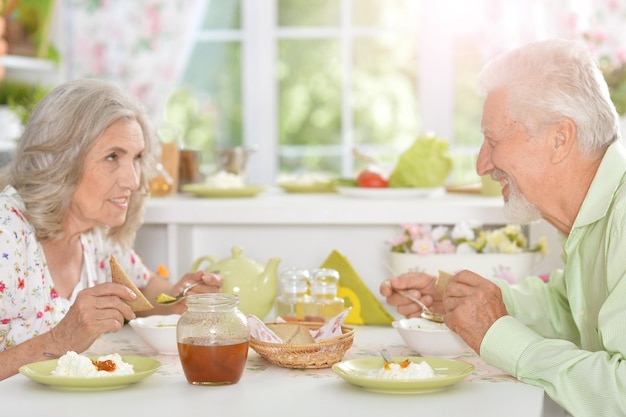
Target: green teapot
255, 283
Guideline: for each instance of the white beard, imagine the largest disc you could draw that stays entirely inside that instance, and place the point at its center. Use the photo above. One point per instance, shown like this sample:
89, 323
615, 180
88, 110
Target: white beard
518, 209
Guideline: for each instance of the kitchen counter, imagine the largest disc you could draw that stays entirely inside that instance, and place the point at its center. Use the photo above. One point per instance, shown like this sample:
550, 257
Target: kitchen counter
277, 207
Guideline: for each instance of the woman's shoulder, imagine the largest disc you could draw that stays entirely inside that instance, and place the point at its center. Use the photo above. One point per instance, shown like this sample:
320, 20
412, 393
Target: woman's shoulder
11, 206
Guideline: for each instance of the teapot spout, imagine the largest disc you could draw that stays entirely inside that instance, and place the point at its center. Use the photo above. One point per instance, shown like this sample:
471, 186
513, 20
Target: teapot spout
269, 275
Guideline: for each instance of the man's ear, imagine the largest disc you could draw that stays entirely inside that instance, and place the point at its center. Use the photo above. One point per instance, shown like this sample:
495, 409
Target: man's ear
564, 138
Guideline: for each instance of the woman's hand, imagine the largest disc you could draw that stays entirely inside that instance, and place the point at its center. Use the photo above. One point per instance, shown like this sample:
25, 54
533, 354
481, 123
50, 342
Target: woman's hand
209, 283
419, 285
96, 310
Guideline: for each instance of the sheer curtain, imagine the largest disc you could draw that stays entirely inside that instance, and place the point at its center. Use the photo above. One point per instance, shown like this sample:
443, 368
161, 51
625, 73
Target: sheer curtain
138, 43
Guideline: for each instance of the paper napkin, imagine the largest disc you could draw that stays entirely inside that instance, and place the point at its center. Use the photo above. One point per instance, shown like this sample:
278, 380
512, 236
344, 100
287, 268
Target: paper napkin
332, 328
366, 309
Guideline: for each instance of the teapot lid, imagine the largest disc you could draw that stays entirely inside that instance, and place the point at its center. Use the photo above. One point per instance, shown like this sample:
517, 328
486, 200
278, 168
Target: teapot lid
240, 260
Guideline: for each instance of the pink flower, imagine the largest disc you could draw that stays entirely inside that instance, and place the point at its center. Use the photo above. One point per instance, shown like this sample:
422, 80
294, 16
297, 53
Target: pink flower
423, 246
445, 246
398, 240
414, 230
504, 272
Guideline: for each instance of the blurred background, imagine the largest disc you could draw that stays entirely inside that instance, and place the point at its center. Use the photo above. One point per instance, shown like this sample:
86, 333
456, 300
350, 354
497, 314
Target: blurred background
303, 82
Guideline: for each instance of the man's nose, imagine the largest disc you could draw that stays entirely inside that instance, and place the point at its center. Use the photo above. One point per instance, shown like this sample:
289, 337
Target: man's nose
483, 162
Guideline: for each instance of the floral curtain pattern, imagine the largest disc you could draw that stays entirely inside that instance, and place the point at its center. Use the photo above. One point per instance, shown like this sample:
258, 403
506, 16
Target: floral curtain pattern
137, 43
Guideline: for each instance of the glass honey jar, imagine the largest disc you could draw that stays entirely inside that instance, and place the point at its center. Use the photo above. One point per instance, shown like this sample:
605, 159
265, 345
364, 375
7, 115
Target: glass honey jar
213, 337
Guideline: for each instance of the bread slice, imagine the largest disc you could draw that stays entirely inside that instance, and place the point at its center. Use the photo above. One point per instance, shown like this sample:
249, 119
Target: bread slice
292, 333
443, 279
118, 276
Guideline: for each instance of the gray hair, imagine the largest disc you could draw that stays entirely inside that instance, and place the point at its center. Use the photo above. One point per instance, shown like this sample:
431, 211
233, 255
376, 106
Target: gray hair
49, 157
546, 81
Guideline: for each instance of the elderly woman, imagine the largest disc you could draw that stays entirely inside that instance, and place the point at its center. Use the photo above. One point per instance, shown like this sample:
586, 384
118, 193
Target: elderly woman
551, 139
72, 198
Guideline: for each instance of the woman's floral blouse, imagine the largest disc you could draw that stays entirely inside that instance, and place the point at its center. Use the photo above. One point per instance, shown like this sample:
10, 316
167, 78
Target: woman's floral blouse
29, 303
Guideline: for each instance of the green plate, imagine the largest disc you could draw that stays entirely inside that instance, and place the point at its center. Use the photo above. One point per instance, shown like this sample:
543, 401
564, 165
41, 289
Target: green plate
319, 187
42, 372
201, 190
360, 372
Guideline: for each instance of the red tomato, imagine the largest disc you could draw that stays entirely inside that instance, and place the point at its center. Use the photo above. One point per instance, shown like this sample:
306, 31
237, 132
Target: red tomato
371, 179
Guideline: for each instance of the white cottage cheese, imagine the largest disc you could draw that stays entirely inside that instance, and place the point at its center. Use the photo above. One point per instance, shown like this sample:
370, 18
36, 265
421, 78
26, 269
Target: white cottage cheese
75, 365
412, 371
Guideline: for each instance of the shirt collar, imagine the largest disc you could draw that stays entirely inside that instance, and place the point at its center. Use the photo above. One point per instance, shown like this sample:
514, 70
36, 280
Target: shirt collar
608, 178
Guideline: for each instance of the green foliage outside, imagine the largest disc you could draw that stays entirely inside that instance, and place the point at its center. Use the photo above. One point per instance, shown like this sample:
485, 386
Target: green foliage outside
21, 97
384, 108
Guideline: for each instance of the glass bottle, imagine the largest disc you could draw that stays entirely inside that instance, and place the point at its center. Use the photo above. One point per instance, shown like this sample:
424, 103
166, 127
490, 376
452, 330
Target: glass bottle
213, 336
162, 184
324, 286
291, 302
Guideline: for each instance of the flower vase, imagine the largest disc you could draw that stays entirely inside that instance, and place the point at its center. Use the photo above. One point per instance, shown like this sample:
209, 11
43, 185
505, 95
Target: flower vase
510, 267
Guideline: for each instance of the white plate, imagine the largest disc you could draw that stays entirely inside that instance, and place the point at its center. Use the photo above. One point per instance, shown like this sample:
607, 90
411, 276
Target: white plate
381, 193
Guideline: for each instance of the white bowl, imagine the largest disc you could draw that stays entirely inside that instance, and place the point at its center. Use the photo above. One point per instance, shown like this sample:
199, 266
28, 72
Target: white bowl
430, 339
158, 331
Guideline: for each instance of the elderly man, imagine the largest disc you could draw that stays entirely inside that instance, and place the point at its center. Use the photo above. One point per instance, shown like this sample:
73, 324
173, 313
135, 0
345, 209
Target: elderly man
551, 139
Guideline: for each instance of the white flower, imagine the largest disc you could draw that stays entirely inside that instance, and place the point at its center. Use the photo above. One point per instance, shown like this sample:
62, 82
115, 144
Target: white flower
439, 232
495, 239
462, 231
465, 249
506, 246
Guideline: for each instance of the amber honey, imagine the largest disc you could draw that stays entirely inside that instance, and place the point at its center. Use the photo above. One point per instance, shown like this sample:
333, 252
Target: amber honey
212, 364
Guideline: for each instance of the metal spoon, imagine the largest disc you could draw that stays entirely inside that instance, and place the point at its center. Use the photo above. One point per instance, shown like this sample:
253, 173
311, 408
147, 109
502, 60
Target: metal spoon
386, 356
426, 313
167, 300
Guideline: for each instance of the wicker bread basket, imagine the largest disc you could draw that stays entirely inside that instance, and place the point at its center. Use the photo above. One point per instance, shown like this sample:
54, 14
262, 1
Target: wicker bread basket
323, 354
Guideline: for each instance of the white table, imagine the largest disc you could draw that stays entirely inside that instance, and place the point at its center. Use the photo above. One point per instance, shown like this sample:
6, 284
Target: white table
266, 389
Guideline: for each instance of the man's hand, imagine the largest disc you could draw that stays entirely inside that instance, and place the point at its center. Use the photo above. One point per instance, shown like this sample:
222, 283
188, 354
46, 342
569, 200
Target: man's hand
472, 304
419, 285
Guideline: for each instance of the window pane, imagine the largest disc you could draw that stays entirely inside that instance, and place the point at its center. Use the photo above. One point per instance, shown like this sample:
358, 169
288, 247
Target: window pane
222, 14
468, 110
212, 116
394, 14
384, 102
309, 105
308, 12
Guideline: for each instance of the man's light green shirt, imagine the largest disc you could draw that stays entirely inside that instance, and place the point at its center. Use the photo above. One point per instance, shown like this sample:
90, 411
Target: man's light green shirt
568, 336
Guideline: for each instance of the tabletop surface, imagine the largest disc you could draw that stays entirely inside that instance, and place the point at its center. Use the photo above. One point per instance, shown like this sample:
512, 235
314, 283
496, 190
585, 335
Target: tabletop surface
270, 390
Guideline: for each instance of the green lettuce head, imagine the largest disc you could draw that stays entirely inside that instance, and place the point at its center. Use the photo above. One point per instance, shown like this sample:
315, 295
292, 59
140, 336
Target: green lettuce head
427, 163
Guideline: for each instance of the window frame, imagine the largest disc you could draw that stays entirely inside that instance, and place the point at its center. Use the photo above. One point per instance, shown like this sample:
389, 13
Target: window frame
259, 36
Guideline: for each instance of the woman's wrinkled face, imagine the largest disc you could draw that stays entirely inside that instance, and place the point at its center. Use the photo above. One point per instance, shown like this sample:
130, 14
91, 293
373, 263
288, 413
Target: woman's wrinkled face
110, 174
509, 155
